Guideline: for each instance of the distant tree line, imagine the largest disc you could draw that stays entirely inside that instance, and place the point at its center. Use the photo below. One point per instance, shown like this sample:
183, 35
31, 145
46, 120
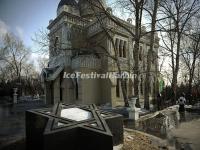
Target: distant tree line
16, 68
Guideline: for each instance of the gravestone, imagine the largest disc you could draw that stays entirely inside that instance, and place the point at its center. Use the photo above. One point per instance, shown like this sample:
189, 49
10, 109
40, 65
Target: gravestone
159, 123
72, 127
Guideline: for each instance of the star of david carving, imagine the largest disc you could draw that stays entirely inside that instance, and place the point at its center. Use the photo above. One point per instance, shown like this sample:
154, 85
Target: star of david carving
56, 121
45, 126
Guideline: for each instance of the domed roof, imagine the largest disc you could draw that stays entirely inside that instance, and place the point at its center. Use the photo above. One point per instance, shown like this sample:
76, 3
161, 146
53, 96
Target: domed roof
67, 2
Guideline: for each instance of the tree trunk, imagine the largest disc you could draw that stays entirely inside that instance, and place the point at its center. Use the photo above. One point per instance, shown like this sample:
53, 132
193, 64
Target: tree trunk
149, 56
138, 19
123, 82
124, 92
174, 88
190, 89
136, 71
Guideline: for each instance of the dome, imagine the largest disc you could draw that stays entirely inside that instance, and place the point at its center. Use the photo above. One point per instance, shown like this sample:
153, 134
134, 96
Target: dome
67, 2
87, 11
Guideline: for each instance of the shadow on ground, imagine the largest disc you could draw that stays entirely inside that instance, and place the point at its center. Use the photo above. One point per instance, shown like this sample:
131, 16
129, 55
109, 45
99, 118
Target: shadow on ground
12, 124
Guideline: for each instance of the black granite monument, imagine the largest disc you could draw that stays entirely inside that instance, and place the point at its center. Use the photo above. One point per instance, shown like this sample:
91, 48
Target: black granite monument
72, 127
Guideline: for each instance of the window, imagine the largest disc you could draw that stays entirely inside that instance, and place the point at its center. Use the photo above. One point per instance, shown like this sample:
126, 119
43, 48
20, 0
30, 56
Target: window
56, 41
69, 35
141, 86
124, 50
140, 54
55, 46
117, 46
117, 89
120, 48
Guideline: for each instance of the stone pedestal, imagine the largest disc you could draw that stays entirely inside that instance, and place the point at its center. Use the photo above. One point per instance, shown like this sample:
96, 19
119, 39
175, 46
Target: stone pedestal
133, 111
15, 95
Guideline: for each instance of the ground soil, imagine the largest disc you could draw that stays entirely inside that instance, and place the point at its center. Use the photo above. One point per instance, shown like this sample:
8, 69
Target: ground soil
134, 140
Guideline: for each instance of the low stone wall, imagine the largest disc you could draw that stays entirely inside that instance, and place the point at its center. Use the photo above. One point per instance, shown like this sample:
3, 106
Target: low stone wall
159, 123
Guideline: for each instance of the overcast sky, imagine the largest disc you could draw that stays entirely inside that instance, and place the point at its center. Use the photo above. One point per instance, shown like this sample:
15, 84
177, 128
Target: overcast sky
25, 17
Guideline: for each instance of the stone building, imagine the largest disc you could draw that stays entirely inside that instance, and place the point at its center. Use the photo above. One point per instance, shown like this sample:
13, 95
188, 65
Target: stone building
77, 37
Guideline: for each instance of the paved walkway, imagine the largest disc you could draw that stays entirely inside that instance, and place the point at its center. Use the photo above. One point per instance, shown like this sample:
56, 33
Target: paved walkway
188, 135
12, 121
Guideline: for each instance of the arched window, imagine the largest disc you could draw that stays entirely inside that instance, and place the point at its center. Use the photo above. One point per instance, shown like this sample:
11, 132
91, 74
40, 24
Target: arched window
124, 49
118, 88
55, 46
140, 54
56, 42
141, 86
117, 46
121, 48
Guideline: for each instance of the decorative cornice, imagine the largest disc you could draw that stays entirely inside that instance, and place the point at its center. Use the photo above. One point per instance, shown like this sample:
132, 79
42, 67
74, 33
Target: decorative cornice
66, 14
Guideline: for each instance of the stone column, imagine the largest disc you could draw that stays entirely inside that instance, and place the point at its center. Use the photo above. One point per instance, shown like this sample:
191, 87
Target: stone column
48, 93
56, 89
68, 91
15, 95
133, 111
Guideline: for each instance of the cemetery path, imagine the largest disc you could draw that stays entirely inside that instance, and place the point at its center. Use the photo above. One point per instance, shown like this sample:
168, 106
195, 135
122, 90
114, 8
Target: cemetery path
188, 134
12, 121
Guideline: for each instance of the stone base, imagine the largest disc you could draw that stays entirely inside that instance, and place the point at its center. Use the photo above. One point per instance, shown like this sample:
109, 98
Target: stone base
77, 139
15, 98
115, 124
134, 114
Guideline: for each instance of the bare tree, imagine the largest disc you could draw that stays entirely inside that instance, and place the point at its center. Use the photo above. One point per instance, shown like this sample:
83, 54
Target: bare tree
16, 69
31, 79
43, 62
197, 78
14, 55
179, 13
191, 52
151, 54
135, 8
41, 39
